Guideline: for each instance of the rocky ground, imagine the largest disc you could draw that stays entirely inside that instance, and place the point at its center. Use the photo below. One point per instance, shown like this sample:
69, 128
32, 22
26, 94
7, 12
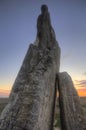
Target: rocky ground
3, 102
57, 128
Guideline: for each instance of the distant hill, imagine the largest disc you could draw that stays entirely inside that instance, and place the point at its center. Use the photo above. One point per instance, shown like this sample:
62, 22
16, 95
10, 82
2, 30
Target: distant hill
83, 103
3, 100
83, 100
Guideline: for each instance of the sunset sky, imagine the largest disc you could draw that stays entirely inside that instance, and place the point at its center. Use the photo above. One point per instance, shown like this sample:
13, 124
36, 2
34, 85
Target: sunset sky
18, 29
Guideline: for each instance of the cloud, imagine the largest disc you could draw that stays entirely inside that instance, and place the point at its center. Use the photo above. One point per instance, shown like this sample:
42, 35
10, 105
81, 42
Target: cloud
85, 73
80, 83
82, 92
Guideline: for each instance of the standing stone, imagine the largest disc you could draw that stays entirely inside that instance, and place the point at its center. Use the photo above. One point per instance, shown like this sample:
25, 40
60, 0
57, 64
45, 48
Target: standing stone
45, 31
31, 101
71, 113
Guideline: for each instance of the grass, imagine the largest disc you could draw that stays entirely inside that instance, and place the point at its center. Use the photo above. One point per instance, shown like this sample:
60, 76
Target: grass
2, 105
4, 101
57, 118
57, 113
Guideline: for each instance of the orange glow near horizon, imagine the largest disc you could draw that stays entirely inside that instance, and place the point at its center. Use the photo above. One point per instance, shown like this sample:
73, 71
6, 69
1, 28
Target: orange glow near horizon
81, 92
4, 93
80, 86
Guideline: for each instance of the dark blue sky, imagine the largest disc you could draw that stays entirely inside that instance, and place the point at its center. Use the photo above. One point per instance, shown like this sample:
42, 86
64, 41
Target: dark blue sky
18, 30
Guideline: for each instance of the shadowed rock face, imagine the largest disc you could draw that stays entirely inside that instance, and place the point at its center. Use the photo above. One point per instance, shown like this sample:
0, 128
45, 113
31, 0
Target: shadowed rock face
31, 101
72, 117
45, 32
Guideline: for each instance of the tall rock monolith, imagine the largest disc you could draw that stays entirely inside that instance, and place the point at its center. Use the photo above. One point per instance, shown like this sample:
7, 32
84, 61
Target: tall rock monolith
72, 116
31, 101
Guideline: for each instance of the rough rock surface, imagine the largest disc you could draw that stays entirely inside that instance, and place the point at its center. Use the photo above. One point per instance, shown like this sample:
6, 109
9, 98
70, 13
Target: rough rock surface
72, 117
45, 31
31, 101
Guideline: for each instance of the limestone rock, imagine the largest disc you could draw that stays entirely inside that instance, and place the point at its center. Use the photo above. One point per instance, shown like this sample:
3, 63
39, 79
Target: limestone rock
45, 31
31, 101
72, 117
